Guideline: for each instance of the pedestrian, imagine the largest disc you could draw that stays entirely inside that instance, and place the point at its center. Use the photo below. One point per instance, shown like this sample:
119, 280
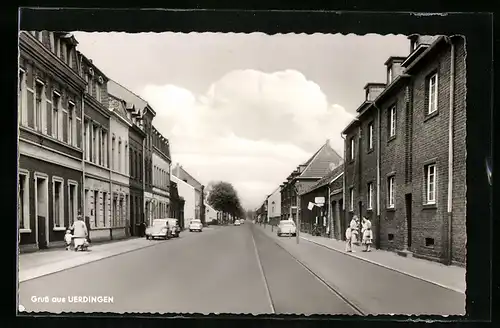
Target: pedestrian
367, 234
348, 240
68, 238
354, 225
80, 233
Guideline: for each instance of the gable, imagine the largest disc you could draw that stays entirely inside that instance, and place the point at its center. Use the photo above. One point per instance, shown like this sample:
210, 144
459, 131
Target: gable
319, 165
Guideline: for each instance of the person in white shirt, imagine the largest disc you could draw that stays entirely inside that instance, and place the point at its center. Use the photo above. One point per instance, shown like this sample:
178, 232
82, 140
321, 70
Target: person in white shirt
80, 233
68, 238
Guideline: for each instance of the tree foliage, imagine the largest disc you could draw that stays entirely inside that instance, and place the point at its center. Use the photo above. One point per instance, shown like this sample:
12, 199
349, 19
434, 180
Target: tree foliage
223, 197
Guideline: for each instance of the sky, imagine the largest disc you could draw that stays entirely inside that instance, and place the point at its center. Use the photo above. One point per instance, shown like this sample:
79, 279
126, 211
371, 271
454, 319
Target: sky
245, 108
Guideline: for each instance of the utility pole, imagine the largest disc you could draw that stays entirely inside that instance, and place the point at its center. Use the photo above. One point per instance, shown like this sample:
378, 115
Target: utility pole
297, 230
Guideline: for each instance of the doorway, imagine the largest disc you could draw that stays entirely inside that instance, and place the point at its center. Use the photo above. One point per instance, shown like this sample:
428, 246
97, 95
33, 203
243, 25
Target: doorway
408, 205
342, 220
41, 200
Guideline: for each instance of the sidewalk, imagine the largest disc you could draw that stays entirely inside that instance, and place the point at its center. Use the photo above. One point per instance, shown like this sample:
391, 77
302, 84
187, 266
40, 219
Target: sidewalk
450, 277
37, 264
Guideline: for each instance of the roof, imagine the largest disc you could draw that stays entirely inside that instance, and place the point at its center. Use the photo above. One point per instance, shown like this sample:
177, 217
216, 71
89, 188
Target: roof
327, 179
394, 59
319, 164
119, 91
184, 174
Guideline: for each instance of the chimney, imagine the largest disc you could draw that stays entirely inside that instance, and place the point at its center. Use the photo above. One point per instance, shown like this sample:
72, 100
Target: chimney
394, 68
372, 90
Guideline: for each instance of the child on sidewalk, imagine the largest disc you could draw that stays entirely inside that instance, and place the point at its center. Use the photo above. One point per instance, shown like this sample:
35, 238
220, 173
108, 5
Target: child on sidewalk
68, 238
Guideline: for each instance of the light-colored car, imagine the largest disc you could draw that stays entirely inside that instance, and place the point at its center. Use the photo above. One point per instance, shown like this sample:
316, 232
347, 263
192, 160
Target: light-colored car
237, 222
195, 225
287, 227
242, 221
174, 227
159, 229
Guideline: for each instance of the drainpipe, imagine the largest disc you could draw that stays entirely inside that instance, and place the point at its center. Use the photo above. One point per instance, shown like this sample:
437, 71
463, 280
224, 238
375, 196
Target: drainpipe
143, 174
330, 216
82, 137
450, 151
360, 202
110, 146
379, 115
343, 183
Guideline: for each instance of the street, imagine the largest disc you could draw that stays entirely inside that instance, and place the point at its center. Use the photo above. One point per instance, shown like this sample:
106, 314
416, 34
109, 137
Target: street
237, 269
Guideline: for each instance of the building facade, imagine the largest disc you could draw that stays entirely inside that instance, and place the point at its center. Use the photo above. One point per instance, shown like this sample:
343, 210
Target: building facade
50, 97
304, 177
133, 154
97, 173
405, 164
188, 193
119, 125
176, 204
183, 175
158, 201
211, 214
274, 206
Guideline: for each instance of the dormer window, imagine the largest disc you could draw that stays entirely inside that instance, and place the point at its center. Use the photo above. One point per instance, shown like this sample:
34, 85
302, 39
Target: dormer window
389, 75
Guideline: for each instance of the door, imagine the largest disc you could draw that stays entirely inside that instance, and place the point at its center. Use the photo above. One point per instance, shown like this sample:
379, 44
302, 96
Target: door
342, 220
42, 232
408, 205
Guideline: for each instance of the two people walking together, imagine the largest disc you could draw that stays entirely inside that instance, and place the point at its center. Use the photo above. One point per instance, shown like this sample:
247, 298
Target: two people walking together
352, 234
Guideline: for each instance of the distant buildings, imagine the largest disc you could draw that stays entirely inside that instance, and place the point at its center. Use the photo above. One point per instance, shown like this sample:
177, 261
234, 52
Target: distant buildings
180, 173
87, 146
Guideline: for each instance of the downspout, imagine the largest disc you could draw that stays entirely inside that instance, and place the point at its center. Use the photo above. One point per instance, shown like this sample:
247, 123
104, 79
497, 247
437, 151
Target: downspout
143, 174
379, 115
83, 141
330, 216
110, 137
343, 185
450, 151
360, 202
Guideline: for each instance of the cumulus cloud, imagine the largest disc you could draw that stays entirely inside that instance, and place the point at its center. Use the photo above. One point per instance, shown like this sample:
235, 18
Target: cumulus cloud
250, 128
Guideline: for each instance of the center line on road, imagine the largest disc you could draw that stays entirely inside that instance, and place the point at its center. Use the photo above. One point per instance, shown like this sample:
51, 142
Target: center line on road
262, 273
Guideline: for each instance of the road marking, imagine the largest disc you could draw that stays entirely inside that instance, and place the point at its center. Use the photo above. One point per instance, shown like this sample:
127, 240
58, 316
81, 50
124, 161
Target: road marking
262, 274
321, 280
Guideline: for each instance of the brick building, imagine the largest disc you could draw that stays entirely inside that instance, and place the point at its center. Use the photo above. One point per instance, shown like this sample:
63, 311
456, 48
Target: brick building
176, 204
50, 98
305, 176
327, 216
405, 159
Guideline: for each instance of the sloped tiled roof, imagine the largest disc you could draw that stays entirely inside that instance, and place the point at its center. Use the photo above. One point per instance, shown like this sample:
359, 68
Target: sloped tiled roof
118, 91
319, 164
180, 173
325, 180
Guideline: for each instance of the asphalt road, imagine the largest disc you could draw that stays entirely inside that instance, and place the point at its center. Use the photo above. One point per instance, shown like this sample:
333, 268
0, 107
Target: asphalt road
227, 270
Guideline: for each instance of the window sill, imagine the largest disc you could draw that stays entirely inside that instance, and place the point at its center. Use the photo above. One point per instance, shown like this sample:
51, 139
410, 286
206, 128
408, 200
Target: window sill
428, 247
390, 209
431, 115
391, 138
25, 230
429, 206
59, 229
369, 210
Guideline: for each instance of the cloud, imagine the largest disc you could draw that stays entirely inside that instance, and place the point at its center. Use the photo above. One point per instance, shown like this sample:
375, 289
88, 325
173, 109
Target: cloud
250, 128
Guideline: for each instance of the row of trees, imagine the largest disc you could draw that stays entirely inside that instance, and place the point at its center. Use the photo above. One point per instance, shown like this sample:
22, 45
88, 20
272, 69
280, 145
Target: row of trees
224, 198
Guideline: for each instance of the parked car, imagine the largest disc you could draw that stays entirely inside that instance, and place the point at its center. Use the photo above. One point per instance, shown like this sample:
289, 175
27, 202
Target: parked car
195, 225
174, 227
287, 227
237, 222
242, 221
159, 229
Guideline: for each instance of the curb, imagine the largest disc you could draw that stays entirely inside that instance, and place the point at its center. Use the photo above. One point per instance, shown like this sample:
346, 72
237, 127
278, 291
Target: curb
386, 267
78, 265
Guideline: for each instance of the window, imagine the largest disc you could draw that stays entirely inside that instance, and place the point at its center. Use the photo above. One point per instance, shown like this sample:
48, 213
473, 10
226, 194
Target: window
126, 164
72, 202
56, 102
392, 121
433, 85
389, 75
104, 208
430, 183
98, 92
71, 122
52, 43
351, 199
352, 149
115, 211
20, 96
87, 140
94, 144
103, 144
39, 105
429, 242
113, 159
370, 136
69, 59
58, 203
23, 201
57, 47
390, 191
119, 155
87, 87
370, 196
62, 51
96, 208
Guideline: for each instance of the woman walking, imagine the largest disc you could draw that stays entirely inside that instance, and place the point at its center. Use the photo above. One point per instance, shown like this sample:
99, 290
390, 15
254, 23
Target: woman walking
80, 233
367, 234
351, 234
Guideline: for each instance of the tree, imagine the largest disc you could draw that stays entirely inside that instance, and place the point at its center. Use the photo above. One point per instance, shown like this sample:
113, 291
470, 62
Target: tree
223, 197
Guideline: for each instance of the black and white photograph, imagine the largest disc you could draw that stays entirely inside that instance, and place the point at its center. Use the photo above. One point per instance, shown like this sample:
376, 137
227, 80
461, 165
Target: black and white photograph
242, 173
